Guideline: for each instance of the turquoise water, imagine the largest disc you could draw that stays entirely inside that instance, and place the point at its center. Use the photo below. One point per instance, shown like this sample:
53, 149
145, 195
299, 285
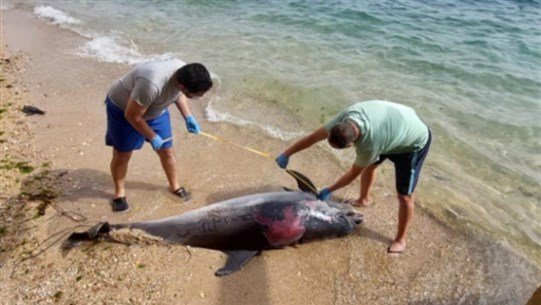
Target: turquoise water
470, 68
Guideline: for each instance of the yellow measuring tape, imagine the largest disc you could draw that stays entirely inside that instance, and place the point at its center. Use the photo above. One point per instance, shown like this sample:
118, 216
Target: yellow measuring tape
255, 151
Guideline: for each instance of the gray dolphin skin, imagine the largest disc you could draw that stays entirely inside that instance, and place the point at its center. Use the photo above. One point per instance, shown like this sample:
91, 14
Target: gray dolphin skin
243, 227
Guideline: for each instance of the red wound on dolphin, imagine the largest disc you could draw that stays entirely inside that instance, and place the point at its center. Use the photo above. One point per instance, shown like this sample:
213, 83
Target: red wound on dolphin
282, 232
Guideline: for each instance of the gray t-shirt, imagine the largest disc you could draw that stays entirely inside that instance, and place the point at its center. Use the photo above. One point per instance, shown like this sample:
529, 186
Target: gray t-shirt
151, 84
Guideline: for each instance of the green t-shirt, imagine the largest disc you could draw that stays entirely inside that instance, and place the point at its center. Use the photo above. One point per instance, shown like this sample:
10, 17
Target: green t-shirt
386, 128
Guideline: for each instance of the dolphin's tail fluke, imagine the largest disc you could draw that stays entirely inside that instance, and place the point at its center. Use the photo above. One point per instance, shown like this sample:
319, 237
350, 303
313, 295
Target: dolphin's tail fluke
93, 233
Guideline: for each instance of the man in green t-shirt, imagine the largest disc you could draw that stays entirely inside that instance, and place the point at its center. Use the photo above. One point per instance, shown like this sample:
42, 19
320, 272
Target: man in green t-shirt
379, 130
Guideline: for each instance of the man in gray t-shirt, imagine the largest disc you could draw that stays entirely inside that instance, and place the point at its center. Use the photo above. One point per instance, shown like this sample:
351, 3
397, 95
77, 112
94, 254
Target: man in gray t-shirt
137, 111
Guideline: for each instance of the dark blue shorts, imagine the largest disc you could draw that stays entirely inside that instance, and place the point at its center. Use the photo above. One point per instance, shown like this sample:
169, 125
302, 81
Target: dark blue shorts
407, 167
123, 137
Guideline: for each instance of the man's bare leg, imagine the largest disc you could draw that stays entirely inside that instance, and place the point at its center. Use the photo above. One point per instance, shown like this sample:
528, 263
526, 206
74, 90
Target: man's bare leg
119, 170
367, 181
406, 209
169, 164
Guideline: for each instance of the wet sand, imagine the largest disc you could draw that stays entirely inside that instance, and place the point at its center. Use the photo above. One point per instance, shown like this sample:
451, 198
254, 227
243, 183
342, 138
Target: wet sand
442, 265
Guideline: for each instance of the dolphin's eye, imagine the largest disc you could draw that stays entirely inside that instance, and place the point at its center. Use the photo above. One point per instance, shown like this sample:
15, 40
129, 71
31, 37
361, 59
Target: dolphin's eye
341, 217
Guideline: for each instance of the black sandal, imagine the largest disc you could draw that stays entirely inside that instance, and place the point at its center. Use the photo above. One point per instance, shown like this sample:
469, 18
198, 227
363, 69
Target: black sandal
120, 204
182, 193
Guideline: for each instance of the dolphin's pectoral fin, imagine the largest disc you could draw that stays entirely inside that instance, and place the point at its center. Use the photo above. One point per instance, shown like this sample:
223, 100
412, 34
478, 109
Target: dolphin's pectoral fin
235, 260
303, 182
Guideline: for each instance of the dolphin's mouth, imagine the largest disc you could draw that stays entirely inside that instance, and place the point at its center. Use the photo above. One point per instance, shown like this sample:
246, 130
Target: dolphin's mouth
356, 217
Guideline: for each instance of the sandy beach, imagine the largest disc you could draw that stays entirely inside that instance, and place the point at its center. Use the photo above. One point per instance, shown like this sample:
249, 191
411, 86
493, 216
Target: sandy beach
69, 181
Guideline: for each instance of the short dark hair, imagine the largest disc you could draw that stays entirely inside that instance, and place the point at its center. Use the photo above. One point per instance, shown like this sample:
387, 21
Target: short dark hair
341, 135
194, 77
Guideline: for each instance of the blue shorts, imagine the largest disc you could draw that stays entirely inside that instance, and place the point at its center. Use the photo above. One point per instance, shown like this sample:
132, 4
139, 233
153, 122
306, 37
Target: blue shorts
407, 167
123, 137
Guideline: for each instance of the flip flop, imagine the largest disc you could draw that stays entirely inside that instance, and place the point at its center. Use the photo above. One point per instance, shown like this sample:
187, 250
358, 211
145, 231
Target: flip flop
389, 251
182, 193
119, 205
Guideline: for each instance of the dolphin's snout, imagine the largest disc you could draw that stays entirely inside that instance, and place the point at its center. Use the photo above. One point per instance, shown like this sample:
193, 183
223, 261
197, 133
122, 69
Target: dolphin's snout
356, 216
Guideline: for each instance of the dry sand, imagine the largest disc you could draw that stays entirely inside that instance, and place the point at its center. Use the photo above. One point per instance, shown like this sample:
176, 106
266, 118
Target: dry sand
441, 266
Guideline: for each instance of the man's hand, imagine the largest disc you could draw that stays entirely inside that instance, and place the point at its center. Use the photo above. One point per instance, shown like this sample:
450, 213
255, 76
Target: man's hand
157, 142
282, 160
192, 125
324, 194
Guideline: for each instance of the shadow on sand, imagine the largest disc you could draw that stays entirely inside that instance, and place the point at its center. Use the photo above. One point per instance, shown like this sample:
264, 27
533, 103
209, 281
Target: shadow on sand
247, 286
365, 232
69, 186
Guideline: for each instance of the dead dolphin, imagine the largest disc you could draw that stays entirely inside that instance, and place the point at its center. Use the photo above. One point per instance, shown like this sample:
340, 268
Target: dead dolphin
242, 227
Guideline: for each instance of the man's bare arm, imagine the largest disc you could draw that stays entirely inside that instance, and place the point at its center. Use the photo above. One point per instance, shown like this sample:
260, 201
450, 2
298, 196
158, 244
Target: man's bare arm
182, 105
134, 114
347, 178
309, 140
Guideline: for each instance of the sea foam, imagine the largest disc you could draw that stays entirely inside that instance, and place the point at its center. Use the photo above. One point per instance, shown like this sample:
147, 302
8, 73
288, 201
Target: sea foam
54, 16
115, 49
111, 49
215, 116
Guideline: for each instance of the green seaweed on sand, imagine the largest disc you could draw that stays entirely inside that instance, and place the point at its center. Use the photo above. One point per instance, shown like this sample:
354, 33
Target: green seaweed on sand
23, 167
58, 295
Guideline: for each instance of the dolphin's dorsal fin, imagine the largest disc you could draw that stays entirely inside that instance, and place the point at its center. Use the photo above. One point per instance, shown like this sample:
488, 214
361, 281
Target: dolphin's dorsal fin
235, 260
303, 182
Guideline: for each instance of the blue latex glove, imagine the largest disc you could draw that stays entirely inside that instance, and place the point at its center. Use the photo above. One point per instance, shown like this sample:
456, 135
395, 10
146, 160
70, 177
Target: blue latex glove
324, 194
192, 125
157, 142
282, 160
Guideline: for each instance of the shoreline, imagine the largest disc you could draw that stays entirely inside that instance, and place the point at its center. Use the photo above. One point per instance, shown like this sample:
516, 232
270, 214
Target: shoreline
455, 192
356, 269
